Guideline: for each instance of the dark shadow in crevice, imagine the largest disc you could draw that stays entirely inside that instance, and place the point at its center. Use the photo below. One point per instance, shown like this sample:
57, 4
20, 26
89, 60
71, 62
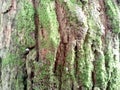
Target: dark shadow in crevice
25, 76
0, 68
36, 23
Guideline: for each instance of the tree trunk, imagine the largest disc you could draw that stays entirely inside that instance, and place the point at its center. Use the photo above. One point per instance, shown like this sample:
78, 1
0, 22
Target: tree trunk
59, 45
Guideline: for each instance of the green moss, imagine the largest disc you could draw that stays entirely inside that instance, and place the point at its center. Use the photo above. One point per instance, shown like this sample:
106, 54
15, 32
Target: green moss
50, 56
76, 2
71, 7
94, 32
42, 75
100, 71
14, 63
10, 60
112, 68
70, 62
113, 14
74, 10
48, 20
25, 26
99, 60
109, 62
94, 40
88, 65
85, 67
69, 75
50, 41
19, 80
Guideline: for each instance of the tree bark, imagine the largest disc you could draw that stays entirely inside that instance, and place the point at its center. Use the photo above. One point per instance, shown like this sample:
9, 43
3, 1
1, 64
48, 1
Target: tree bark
59, 45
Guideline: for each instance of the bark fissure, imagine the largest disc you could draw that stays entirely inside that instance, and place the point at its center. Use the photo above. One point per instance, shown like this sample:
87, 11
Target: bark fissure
0, 68
25, 77
93, 80
108, 85
76, 60
36, 22
62, 49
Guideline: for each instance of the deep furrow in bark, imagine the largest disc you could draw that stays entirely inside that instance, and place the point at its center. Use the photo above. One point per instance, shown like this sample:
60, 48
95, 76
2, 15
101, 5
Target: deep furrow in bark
93, 80
0, 69
62, 49
76, 60
108, 86
36, 22
25, 77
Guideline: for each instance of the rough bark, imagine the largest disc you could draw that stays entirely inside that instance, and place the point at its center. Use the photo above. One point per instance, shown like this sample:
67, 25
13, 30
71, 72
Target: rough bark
59, 45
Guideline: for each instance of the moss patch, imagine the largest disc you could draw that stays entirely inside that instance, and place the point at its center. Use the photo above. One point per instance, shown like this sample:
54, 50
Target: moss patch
25, 26
48, 20
113, 14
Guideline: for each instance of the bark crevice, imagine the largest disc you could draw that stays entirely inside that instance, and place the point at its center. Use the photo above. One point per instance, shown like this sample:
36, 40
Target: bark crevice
0, 69
36, 23
62, 49
25, 77
9, 8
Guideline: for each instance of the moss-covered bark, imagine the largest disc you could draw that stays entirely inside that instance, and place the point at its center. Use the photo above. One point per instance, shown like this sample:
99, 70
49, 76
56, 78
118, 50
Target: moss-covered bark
59, 45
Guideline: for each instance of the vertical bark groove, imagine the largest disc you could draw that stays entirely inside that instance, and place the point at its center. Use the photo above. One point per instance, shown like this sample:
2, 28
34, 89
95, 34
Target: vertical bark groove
25, 77
93, 80
62, 49
0, 69
36, 22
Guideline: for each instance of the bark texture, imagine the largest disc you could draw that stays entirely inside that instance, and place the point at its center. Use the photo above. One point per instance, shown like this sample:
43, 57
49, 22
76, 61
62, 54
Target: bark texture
59, 45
